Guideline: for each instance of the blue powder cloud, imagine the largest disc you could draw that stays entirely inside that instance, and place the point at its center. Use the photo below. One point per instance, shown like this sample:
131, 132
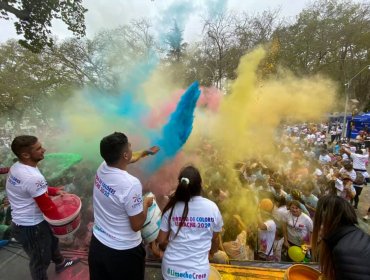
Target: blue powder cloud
177, 130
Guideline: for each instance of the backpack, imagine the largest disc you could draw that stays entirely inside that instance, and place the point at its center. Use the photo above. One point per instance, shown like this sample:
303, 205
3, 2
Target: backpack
360, 179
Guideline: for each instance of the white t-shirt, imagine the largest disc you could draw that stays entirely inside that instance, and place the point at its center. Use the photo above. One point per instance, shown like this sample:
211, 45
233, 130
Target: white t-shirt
187, 253
266, 238
351, 174
299, 228
317, 172
279, 213
311, 138
25, 182
324, 159
116, 196
359, 161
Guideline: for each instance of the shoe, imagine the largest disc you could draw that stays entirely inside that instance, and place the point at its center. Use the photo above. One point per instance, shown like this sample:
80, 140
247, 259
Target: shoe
366, 218
66, 264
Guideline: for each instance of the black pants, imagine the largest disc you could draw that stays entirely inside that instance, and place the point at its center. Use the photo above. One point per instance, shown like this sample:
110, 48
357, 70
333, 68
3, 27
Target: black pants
356, 199
40, 245
110, 264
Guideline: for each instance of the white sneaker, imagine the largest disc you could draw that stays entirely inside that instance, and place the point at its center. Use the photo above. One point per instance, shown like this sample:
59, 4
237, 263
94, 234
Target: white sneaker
366, 218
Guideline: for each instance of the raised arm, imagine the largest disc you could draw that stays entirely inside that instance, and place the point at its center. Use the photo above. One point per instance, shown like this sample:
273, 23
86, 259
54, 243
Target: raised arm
144, 153
345, 150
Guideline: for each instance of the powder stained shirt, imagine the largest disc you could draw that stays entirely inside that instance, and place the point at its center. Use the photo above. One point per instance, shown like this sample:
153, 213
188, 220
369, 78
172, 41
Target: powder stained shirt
116, 196
298, 228
266, 238
186, 254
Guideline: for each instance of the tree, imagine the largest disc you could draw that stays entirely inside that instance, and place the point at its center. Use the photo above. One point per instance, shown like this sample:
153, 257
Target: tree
122, 50
35, 16
253, 30
79, 60
106, 60
174, 40
228, 37
29, 82
258, 29
197, 66
331, 38
218, 41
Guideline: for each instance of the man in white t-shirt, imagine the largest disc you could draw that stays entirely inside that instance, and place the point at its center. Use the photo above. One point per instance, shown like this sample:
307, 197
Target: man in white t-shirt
360, 160
28, 194
116, 250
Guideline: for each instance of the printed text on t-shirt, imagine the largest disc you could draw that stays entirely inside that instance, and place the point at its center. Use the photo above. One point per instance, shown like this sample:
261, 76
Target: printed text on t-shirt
13, 180
193, 222
103, 187
187, 275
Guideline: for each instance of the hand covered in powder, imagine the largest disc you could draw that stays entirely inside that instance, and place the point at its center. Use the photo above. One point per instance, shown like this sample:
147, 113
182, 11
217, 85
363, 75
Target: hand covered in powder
151, 151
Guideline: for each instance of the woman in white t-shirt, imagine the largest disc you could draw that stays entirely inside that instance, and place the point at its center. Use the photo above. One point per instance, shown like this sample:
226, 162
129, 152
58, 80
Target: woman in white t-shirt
189, 230
297, 227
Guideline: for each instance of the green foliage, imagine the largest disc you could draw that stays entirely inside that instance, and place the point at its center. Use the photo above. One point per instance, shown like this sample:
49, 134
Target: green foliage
330, 38
27, 80
35, 16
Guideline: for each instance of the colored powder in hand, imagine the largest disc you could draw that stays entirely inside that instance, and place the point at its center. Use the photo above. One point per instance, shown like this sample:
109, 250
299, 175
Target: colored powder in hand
55, 164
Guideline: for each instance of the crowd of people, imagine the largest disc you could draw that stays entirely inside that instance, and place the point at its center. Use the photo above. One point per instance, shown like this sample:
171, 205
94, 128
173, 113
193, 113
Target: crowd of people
278, 201
286, 188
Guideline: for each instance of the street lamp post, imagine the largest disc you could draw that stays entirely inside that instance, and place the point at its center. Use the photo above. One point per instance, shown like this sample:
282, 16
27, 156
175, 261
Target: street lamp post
346, 93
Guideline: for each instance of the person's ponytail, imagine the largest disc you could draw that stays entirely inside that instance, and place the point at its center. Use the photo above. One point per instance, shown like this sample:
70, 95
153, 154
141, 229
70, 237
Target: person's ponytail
190, 184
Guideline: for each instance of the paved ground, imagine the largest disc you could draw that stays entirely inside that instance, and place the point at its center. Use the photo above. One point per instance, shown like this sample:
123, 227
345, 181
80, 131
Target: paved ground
363, 206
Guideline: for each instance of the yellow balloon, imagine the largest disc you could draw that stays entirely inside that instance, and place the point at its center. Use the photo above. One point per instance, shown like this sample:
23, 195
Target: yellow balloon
296, 253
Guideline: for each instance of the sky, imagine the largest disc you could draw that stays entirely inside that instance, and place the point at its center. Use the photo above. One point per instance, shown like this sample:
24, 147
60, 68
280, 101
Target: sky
103, 14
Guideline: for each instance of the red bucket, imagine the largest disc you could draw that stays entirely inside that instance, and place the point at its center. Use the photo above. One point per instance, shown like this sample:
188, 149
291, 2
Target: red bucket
69, 208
